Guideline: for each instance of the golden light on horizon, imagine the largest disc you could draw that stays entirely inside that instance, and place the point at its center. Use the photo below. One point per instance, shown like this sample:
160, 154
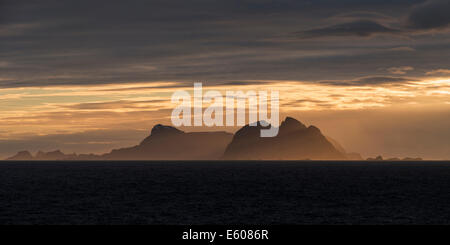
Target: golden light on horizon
54, 109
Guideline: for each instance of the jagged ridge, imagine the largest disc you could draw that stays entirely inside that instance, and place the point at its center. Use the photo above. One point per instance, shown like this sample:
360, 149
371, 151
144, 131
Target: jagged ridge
295, 141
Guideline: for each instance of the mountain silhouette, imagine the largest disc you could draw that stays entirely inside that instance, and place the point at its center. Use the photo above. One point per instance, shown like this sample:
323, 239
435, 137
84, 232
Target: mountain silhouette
48, 156
53, 155
169, 143
21, 155
294, 141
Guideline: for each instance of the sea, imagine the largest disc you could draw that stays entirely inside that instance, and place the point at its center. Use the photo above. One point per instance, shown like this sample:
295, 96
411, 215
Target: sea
225, 192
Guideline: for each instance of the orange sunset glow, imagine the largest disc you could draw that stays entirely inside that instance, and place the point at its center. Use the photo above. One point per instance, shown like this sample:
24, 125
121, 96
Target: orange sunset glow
376, 81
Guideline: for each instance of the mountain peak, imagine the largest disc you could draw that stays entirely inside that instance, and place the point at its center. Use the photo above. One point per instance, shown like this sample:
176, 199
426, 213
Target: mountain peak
170, 143
161, 131
295, 141
159, 128
250, 131
314, 129
291, 124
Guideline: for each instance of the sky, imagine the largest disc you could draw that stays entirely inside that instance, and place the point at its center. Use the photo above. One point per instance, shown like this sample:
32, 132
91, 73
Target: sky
90, 76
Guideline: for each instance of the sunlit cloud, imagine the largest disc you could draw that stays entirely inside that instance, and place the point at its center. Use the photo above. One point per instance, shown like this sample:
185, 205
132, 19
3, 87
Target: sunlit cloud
439, 71
400, 70
73, 109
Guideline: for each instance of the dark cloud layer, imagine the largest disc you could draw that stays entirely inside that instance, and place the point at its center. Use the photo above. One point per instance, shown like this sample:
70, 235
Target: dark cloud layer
59, 42
430, 14
362, 28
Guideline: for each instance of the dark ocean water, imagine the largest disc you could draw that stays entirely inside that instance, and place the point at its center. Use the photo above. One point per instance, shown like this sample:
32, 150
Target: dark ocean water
224, 193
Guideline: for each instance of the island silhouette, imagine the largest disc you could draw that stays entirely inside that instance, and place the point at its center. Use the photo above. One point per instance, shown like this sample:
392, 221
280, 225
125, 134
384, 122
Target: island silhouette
295, 141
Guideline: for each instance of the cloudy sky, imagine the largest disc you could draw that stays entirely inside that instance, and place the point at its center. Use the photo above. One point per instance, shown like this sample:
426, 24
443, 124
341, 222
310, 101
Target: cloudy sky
88, 76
